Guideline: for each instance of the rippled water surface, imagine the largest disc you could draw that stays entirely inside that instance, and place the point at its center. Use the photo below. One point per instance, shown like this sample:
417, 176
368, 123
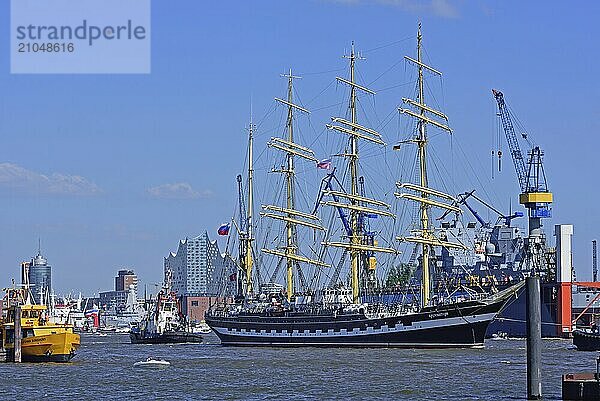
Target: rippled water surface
103, 370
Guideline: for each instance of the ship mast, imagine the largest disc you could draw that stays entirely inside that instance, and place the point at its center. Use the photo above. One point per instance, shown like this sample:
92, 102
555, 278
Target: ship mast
288, 213
356, 242
249, 238
422, 143
425, 236
357, 235
289, 181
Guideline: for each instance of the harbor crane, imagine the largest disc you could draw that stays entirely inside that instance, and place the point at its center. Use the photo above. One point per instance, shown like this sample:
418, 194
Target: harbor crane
535, 195
462, 200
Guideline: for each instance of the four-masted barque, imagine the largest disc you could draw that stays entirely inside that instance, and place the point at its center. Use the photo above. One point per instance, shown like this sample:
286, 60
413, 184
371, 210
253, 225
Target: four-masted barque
263, 316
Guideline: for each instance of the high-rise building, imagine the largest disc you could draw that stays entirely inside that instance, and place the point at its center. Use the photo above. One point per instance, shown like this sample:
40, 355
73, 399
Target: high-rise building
40, 279
196, 267
124, 279
115, 301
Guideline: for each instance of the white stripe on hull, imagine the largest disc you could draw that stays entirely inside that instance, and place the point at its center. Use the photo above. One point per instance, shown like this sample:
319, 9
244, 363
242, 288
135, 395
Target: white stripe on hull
422, 325
352, 344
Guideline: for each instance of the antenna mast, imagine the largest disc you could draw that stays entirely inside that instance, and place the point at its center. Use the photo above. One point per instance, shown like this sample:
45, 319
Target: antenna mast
594, 261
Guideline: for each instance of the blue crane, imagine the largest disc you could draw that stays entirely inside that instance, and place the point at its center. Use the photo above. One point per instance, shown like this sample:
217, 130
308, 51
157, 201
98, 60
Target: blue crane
507, 219
531, 176
325, 186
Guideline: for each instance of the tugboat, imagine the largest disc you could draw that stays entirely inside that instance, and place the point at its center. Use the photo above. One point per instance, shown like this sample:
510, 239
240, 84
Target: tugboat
42, 339
429, 316
587, 339
164, 323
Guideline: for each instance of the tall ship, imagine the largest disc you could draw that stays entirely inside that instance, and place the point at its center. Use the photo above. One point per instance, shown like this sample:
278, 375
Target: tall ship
348, 309
164, 323
42, 339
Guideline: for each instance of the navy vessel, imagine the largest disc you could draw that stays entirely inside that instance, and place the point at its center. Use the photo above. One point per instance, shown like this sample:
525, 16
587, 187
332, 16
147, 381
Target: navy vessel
496, 260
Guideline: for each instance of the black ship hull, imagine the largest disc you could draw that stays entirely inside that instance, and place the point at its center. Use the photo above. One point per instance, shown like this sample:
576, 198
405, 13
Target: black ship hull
586, 341
175, 337
455, 325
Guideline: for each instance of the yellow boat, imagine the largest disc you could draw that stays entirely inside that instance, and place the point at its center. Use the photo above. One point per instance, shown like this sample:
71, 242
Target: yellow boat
42, 340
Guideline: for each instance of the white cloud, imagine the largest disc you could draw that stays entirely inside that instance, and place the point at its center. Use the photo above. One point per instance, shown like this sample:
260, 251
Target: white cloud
180, 190
443, 8
440, 8
19, 179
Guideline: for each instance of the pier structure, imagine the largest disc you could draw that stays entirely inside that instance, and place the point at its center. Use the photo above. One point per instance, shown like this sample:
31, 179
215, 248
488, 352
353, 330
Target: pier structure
582, 386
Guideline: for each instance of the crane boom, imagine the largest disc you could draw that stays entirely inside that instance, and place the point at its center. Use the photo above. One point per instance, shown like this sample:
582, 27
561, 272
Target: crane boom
532, 178
511, 138
534, 191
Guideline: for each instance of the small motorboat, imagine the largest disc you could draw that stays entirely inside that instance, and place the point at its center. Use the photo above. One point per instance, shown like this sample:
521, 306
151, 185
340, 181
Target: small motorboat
152, 363
501, 335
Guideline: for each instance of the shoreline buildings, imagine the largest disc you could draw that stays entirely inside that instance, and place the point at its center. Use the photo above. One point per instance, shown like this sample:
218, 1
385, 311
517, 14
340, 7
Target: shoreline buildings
197, 272
124, 279
40, 278
116, 301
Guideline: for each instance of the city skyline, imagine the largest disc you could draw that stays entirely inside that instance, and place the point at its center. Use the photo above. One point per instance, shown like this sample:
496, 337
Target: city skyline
92, 164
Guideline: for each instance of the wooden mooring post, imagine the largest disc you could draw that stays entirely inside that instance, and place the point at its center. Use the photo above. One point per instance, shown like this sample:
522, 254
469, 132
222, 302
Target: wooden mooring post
534, 338
18, 335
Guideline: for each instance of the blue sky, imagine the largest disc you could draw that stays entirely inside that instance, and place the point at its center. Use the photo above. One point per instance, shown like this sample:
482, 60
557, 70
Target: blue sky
112, 170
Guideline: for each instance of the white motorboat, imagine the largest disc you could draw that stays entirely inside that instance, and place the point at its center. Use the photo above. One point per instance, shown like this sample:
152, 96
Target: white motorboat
153, 363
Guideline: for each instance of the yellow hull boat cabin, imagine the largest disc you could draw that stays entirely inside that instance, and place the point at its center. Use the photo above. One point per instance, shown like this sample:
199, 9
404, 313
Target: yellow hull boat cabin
42, 340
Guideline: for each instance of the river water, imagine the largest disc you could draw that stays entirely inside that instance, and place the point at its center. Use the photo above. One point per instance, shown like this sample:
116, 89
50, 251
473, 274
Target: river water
103, 370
